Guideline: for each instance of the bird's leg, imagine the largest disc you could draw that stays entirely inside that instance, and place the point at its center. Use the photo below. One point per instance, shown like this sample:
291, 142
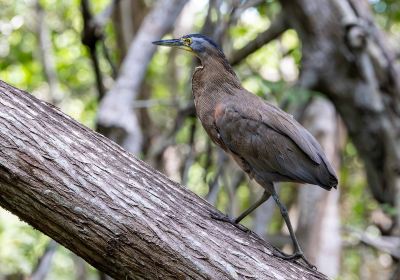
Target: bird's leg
263, 198
298, 253
236, 221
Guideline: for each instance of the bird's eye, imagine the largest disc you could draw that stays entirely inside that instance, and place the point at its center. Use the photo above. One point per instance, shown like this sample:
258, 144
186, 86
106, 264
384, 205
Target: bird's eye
187, 41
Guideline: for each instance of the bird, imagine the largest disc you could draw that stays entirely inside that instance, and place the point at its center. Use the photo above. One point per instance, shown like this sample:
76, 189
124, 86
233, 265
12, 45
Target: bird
265, 141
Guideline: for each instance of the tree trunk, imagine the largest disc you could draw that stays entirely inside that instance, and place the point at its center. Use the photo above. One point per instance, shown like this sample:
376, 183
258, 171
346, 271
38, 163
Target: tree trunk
346, 57
112, 209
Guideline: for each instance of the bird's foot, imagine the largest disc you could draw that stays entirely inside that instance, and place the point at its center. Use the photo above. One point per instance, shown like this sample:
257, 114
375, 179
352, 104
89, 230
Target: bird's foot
295, 256
225, 218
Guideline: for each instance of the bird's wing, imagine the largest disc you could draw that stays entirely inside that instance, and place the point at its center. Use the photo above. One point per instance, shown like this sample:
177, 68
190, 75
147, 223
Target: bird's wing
285, 124
271, 141
260, 150
272, 117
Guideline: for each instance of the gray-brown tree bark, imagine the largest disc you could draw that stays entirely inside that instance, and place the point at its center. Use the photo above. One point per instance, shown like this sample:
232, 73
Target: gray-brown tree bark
113, 210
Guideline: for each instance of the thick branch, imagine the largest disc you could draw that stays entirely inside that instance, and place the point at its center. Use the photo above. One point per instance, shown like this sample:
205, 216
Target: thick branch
113, 210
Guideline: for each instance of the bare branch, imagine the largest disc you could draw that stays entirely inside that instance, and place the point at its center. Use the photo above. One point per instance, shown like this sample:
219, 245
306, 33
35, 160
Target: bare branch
319, 220
93, 32
90, 36
277, 27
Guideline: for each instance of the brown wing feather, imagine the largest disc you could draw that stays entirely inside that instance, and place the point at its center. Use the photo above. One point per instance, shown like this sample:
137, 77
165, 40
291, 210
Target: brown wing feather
285, 124
273, 143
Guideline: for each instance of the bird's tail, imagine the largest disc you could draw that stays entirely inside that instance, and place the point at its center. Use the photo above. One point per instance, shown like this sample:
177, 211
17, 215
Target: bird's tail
333, 181
330, 179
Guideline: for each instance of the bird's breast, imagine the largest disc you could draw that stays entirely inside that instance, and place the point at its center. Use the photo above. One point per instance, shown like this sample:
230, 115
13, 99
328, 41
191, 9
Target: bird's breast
205, 110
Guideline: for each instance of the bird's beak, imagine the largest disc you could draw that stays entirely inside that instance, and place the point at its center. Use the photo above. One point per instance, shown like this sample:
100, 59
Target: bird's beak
173, 43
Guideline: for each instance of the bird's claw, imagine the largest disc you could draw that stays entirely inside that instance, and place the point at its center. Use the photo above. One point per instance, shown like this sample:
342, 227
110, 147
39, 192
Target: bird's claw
224, 218
293, 257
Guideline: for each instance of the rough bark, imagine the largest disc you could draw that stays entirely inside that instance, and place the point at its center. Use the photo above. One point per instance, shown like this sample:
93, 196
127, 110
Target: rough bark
346, 57
113, 210
116, 119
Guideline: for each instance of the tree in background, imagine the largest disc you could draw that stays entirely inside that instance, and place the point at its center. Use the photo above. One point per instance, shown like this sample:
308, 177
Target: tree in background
294, 53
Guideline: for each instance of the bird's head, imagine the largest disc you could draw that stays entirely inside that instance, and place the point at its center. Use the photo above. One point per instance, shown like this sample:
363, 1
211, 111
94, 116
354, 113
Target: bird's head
197, 44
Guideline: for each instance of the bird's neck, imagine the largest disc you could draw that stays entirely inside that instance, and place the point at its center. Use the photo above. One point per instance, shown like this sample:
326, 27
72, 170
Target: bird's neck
214, 78
216, 63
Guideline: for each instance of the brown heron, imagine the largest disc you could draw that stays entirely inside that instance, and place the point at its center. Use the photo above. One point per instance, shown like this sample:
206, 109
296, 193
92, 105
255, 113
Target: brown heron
267, 143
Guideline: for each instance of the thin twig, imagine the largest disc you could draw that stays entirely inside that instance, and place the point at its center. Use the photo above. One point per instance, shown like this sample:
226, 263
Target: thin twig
90, 36
107, 56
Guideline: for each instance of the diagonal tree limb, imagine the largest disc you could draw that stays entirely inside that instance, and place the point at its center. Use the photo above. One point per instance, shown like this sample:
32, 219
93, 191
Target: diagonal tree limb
112, 209
277, 27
